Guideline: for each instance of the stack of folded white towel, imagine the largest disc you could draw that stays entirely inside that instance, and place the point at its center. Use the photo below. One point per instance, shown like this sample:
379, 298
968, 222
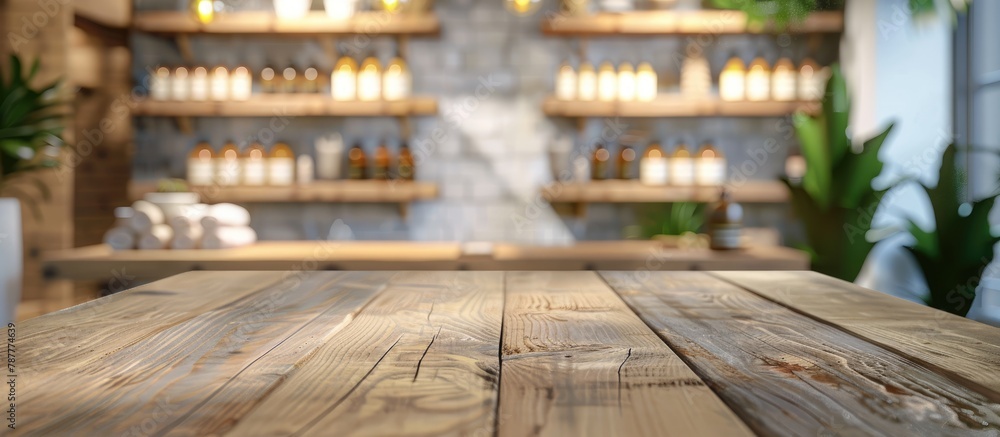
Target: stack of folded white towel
144, 226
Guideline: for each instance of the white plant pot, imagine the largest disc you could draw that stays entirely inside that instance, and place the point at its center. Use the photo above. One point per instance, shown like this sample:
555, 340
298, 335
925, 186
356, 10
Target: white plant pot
341, 9
10, 254
292, 9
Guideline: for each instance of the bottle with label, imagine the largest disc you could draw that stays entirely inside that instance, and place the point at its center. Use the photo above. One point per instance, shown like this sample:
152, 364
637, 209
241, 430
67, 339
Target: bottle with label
725, 224
309, 83
710, 166
199, 165
783, 81
357, 163
240, 84
288, 80
625, 165
268, 84
599, 163
370, 80
653, 166
344, 80
218, 84
758, 86
281, 165
227, 165
732, 80
566, 82
382, 163
199, 84
586, 81
254, 165
607, 82
396, 81
405, 163
681, 166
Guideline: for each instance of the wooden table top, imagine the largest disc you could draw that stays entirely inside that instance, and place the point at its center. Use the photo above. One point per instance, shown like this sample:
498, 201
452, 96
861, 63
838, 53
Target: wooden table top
100, 262
634, 353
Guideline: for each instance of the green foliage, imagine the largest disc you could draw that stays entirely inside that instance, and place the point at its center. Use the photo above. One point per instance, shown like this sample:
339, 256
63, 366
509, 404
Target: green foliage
953, 255
31, 124
835, 198
782, 12
672, 219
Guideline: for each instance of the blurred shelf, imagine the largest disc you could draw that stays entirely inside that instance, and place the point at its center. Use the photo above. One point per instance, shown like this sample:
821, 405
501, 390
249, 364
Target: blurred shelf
101, 263
670, 105
289, 105
266, 23
710, 22
368, 191
619, 191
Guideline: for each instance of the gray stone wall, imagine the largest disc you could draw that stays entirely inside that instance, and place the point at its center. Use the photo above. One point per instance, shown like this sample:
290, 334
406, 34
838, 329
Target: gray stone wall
490, 71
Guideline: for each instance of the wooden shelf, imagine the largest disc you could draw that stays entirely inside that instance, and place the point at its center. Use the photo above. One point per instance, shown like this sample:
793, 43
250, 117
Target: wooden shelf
712, 22
266, 23
289, 105
345, 191
101, 263
618, 191
670, 105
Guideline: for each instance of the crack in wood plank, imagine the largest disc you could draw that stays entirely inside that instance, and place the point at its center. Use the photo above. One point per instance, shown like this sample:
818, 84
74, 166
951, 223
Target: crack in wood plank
423, 355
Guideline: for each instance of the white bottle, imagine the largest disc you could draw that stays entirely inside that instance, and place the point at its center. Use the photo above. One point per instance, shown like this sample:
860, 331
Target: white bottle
304, 169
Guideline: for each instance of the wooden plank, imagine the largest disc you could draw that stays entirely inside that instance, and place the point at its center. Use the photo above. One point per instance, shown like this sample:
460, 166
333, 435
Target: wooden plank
621, 191
711, 22
265, 22
100, 327
577, 361
673, 105
182, 367
111, 13
421, 359
100, 262
303, 105
953, 345
370, 191
787, 374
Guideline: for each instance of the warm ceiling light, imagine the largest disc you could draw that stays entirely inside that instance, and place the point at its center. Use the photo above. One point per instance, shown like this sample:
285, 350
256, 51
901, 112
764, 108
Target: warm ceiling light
390, 5
522, 7
203, 10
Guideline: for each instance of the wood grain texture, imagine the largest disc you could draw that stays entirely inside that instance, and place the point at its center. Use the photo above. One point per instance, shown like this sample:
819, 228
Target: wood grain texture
954, 345
667, 22
577, 361
369, 191
421, 359
101, 263
293, 105
787, 374
178, 370
266, 23
671, 106
622, 191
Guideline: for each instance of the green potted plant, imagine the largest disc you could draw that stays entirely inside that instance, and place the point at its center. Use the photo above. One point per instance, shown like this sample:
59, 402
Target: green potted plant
835, 199
953, 255
31, 128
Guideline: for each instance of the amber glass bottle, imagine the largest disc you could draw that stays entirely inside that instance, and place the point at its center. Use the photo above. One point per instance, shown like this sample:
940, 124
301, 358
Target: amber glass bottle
382, 162
725, 223
599, 163
358, 163
626, 163
405, 163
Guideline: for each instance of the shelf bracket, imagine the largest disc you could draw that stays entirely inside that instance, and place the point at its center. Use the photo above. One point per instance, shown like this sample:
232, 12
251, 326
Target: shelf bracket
404, 210
184, 47
329, 45
185, 124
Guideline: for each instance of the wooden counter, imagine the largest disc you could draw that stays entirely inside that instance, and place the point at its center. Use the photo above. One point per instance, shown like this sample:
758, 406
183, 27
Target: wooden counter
505, 354
102, 263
